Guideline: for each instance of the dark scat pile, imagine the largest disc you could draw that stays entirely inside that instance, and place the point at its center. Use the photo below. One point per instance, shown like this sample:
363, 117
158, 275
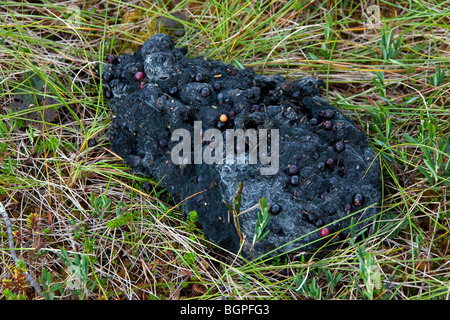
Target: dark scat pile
327, 173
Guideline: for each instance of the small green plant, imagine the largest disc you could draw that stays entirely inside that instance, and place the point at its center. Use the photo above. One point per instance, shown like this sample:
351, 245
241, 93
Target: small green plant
261, 230
10, 295
192, 220
389, 47
438, 78
310, 286
369, 273
49, 288
100, 204
236, 208
79, 281
123, 219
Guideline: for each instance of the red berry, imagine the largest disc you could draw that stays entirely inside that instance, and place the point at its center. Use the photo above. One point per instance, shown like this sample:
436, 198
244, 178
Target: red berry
324, 232
138, 76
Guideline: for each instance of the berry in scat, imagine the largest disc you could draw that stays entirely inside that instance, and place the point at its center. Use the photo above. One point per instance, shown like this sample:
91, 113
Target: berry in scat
339, 146
198, 77
294, 180
358, 199
324, 232
275, 209
293, 170
138, 76
111, 59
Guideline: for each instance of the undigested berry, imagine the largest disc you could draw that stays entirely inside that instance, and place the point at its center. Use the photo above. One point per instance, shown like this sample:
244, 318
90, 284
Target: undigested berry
223, 117
324, 232
138, 76
327, 125
339, 146
329, 163
275, 209
198, 77
358, 199
293, 170
204, 92
294, 180
110, 59
329, 114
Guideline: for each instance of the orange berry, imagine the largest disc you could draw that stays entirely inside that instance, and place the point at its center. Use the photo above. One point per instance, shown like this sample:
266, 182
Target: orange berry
223, 118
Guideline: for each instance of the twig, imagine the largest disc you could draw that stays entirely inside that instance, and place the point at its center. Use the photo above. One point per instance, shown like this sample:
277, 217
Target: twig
8, 225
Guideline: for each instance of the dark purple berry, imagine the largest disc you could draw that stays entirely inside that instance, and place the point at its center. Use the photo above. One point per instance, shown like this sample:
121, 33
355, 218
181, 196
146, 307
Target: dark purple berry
329, 114
358, 199
138, 76
110, 59
294, 180
204, 92
217, 87
198, 77
339, 146
107, 76
327, 125
329, 163
232, 113
313, 121
319, 223
275, 209
293, 170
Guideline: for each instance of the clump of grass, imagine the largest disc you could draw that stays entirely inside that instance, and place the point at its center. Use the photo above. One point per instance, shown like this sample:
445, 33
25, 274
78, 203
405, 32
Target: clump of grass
90, 229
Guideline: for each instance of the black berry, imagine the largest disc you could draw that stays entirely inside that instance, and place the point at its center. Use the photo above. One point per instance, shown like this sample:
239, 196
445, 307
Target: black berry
329, 163
275, 209
339, 146
358, 199
204, 92
293, 170
294, 180
327, 125
110, 59
329, 114
217, 87
198, 77
107, 76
